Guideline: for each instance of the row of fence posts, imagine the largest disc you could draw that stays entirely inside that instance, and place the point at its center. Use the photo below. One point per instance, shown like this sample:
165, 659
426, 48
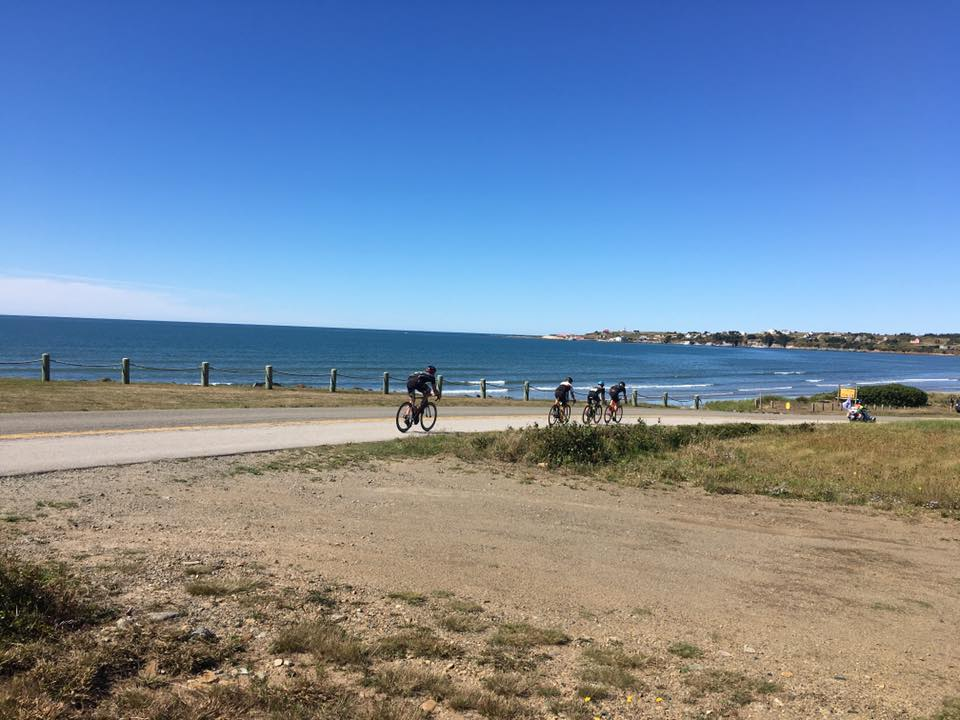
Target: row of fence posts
268, 380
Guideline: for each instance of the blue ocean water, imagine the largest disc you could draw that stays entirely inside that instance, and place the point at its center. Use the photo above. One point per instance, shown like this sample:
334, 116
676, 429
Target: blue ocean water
172, 352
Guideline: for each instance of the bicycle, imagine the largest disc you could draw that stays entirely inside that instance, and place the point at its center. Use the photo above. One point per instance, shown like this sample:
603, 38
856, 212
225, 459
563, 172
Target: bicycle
613, 415
592, 413
410, 414
558, 414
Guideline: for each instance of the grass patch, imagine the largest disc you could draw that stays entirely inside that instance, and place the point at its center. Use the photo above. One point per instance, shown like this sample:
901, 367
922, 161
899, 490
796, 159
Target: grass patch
489, 705
416, 642
685, 650
465, 606
213, 588
462, 623
735, 689
196, 570
523, 635
949, 711
40, 600
324, 641
410, 598
406, 681
57, 504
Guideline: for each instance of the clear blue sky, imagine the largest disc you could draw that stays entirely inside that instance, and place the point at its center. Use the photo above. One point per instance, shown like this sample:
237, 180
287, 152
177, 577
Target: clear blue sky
719, 163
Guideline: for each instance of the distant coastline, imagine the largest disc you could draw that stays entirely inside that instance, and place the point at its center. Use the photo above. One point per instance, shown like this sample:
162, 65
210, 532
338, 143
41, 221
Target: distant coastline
900, 343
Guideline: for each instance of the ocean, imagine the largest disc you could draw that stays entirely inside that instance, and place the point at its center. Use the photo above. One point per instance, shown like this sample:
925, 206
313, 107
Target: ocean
89, 349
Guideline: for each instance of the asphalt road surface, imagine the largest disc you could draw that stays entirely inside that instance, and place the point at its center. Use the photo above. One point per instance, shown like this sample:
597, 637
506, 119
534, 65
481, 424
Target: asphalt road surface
39, 442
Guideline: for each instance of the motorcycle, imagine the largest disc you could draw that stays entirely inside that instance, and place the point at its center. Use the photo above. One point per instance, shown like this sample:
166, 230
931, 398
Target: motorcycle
860, 416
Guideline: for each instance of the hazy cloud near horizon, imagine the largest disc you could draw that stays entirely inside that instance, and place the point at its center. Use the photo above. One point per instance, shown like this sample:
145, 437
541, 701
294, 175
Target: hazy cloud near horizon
89, 298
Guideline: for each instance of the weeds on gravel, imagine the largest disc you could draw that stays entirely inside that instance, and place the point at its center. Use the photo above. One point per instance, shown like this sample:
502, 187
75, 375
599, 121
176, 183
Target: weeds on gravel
213, 588
325, 641
416, 642
735, 689
408, 681
523, 635
465, 606
949, 711
515, 685
489, 705
37, 601
685, 650
462, 623
410, 598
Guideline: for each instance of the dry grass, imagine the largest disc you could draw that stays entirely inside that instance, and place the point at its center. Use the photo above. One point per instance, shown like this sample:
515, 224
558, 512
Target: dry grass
523, 635
21, 395
489, 705
326, 641
685, 650
220, 588
409, 681
733, 689
410, 598
416, 642
462, 623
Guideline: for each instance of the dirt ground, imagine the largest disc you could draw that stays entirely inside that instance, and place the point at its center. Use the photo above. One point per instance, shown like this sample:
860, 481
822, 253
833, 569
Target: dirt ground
840, 610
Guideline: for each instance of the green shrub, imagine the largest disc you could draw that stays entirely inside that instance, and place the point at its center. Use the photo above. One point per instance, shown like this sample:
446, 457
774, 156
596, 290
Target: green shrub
892, 395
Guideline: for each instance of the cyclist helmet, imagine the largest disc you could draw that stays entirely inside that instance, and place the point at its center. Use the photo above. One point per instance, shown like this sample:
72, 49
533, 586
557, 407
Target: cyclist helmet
431, 370
568, 379
600, 384
623, 385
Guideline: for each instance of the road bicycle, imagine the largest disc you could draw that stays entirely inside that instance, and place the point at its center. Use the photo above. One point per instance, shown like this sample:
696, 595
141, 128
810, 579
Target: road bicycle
592, 413
613, 415
559, 414
410, 414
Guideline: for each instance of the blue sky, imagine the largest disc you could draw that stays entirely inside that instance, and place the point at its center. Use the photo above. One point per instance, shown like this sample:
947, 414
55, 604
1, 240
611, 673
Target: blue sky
487, 166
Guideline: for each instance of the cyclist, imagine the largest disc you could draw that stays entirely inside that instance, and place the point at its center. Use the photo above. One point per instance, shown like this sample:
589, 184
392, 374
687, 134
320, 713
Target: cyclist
564, 393
597, 395
616, 391
425, 383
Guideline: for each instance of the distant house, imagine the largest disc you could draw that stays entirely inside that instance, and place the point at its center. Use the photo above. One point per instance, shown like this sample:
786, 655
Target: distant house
915, 341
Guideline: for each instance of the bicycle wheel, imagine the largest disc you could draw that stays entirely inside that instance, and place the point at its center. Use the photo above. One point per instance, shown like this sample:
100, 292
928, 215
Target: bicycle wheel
618, 415
553, 416
428, 418
404, 417
607, 415
598, 414
587, 414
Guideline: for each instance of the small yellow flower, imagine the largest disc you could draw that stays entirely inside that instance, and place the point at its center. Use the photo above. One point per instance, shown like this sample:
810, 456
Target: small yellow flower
659, 699
629, 698
586, 699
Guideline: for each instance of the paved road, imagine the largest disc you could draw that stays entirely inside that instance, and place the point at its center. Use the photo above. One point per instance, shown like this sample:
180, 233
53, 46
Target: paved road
38, 442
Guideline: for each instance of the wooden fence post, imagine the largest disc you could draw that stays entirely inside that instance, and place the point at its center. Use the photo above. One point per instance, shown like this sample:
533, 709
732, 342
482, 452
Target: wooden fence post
333, 380
45, 367
526, 389
386, 383
696, 402
268, 377
636, 398
205, 374
125, 371
483, 387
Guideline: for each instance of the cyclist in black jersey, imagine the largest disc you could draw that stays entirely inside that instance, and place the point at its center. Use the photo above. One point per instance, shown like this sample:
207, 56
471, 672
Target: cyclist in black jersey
615, 392
424, 383
597, 395
564, 393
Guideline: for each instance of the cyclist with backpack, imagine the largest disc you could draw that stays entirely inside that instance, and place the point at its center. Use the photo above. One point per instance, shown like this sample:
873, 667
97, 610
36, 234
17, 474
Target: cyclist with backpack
425, 383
